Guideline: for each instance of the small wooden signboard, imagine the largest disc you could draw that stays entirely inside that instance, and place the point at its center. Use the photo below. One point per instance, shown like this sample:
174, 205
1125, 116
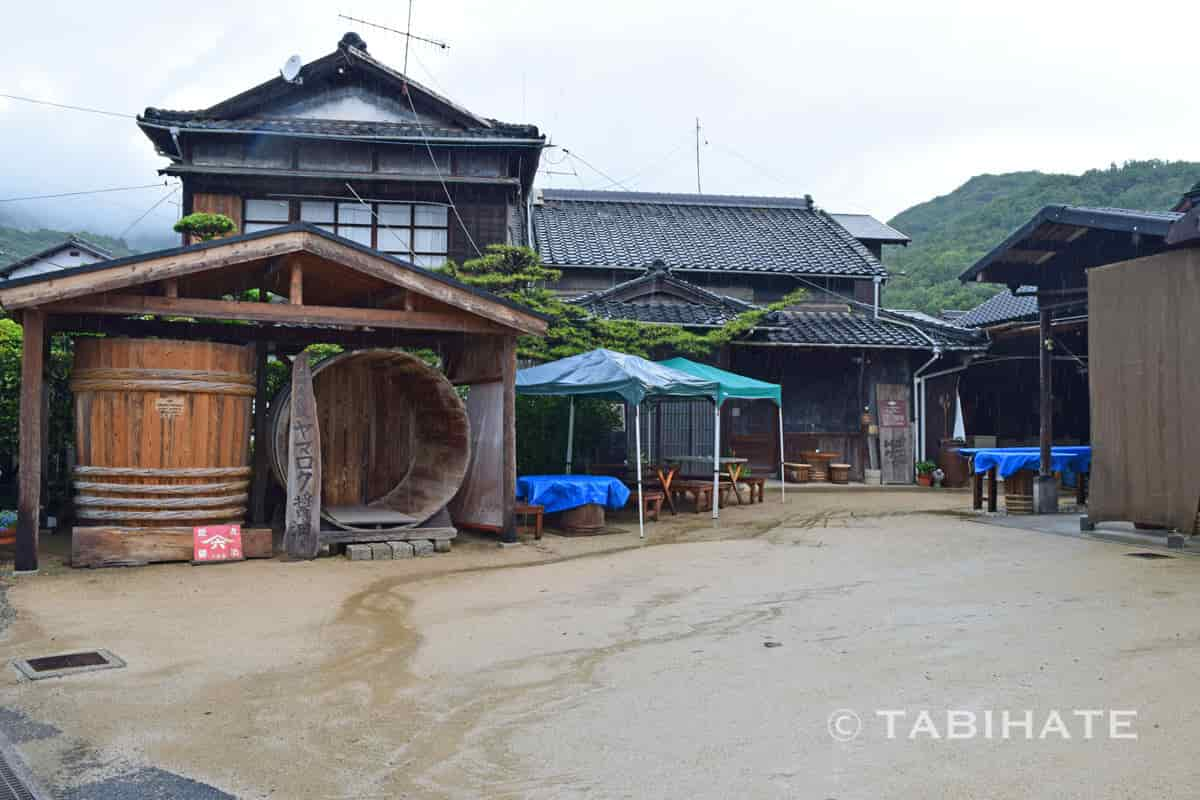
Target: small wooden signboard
213, 544
301, 538
895, 433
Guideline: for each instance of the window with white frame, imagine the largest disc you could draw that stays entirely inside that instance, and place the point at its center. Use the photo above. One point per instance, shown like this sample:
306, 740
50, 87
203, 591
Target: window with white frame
417, 232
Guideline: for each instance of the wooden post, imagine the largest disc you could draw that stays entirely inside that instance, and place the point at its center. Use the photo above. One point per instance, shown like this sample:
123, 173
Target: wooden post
993, 489
258, 503
296, 290
33, 323
508, 486
171, 287
301, 537
1045, 379
976, 489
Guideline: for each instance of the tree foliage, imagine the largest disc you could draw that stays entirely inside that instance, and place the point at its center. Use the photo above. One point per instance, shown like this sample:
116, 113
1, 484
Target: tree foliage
205, 226
950, 233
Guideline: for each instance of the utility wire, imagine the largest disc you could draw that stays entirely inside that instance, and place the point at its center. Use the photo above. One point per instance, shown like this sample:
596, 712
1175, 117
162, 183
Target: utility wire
409, 246
145, 214
68, 107
437, 168
596, 170
79, 194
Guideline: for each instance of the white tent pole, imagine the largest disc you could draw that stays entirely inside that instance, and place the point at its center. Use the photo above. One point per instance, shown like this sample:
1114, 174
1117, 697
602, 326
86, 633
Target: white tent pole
637, 437
570, 433
782, 458
716, 495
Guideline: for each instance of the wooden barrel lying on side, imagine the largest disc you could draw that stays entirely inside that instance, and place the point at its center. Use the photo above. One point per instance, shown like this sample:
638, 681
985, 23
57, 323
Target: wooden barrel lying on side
161, 433
395, 439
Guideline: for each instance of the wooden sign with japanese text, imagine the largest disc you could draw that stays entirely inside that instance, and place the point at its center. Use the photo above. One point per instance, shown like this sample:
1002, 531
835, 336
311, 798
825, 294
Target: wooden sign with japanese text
303, 518
213, 543
895, 433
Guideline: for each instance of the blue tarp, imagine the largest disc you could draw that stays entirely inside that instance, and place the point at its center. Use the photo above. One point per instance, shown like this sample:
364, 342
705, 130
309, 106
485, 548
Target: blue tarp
561, 492
1009, 460
613, 376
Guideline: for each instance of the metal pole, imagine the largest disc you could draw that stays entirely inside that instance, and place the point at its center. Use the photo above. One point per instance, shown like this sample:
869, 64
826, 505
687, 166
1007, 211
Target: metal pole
716, 494
637, 437
570, 433
782, 458
1046, 376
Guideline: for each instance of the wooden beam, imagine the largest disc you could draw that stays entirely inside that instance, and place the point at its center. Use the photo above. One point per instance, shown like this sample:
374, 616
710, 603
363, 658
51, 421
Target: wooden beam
33, 323
262, 466
1045, 379
278, 312
120, 547
508, 485
296, 287
177, 264
171, 287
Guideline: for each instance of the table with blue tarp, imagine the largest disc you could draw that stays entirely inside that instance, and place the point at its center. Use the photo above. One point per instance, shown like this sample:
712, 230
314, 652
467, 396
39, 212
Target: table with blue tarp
563, 492
1073, 461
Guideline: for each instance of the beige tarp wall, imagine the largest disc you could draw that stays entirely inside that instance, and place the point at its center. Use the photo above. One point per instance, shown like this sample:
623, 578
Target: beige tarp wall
1144, 369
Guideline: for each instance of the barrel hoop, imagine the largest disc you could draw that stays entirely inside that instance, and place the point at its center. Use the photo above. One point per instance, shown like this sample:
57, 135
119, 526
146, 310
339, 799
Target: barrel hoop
161, 502
233, 512
200, 375
161, 488
84, 383
84, 471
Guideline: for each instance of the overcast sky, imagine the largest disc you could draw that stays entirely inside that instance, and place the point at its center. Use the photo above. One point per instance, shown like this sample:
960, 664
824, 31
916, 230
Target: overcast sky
868, 106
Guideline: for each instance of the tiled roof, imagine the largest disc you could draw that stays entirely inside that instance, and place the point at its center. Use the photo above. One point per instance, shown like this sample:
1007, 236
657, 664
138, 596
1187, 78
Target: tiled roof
70, 242
689, 314
1001, 307
861, 329
684, 302
864, 226
302, 126
696, 232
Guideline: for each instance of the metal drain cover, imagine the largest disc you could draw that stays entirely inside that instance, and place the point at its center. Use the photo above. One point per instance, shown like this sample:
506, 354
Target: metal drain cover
1148, 555
35, 669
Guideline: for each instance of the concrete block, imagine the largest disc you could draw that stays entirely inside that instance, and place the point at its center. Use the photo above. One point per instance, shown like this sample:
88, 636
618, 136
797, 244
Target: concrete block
1176, 540
422, 547
358, 552
401, 549
1086, 524
505, 545
381, 551
441, 545
1045, 495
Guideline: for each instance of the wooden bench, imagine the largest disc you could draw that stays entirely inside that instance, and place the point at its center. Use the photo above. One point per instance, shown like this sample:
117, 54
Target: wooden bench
757, 487
527, 510
701, 492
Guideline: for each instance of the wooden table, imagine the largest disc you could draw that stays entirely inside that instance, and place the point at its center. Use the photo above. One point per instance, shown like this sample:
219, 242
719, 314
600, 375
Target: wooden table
820, 461
733, 468
666, 475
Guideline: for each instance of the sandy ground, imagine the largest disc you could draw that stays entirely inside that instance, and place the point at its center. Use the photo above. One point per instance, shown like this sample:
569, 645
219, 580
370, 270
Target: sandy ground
603, 667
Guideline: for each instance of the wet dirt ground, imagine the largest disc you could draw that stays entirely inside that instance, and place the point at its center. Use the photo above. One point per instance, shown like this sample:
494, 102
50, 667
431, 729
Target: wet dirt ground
705, 662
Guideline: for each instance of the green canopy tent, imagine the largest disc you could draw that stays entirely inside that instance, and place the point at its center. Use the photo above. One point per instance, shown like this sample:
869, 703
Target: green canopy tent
736, 387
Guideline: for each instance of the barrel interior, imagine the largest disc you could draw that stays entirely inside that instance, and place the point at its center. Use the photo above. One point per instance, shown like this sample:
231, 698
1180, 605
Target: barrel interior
162, 432
394, 439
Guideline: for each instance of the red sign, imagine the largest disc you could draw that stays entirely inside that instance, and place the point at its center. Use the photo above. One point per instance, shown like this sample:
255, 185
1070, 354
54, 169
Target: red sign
217, 543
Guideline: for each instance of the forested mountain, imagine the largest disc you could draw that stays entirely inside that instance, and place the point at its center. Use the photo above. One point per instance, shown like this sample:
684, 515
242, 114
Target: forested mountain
15, 243
951, 232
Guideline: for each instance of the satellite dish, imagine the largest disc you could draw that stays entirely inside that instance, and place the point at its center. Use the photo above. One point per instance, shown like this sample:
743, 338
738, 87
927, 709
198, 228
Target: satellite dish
291, 70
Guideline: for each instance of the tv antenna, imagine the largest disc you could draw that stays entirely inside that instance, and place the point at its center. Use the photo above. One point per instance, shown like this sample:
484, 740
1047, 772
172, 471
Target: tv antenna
291, 70
408, 34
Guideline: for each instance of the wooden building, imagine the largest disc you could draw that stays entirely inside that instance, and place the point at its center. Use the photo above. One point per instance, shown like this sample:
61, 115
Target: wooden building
700, 260
360, 150
1033, 381
314, 287
72, 252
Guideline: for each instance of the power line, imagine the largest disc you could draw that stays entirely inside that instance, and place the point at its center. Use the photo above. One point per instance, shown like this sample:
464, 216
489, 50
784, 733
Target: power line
596, 170
79, 194
437, 169
68, 107
145, 214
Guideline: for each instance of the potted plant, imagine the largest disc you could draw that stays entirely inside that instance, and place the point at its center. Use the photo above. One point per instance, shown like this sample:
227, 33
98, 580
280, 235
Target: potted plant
925, 472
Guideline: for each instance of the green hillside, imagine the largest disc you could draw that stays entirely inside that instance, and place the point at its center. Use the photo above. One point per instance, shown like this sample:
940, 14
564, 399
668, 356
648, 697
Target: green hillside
951, 232
15, 244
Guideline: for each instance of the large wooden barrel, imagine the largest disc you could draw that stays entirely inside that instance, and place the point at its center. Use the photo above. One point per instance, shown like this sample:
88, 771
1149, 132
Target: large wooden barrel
395, 439
161, 432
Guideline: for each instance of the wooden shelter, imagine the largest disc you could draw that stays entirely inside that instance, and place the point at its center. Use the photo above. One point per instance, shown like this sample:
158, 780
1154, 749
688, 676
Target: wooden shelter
315, 287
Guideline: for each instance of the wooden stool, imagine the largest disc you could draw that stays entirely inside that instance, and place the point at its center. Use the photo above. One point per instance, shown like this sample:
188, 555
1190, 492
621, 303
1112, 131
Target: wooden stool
839, 473
797, 473
653, 504
757, 485
526, 510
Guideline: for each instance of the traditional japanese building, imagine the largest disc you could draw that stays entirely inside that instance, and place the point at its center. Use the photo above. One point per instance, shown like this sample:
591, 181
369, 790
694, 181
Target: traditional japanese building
358, 149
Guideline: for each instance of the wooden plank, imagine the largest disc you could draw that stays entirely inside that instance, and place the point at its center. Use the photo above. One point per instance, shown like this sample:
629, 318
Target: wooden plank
303, 514
369, 515
179, 264
119, 547
279, 312
262, 467
895, 433
296, 285
508, 486
403, 535
33, 324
